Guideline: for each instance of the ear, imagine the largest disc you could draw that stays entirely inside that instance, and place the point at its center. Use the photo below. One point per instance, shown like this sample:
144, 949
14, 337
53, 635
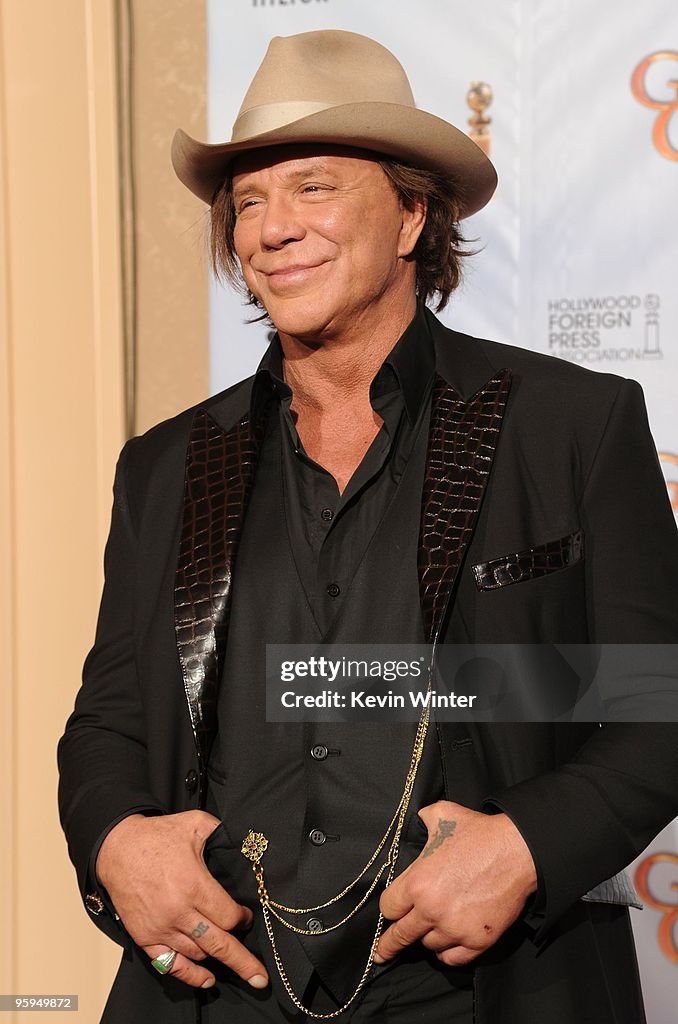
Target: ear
413, 220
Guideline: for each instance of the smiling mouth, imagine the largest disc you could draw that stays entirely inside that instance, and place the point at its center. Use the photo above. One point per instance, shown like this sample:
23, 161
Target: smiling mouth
291, 275
295, 268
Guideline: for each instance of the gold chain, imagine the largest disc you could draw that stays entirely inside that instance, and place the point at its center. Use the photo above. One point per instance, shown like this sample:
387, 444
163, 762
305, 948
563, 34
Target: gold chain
255, 844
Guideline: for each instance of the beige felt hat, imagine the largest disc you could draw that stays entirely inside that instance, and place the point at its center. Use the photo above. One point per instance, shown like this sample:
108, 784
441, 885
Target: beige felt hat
344, 89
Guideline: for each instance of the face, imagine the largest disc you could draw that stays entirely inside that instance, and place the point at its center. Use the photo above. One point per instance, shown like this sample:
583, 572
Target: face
322, 239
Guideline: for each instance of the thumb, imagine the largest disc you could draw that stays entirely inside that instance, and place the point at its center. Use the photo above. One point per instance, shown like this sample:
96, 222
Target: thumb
201, 825
442, 811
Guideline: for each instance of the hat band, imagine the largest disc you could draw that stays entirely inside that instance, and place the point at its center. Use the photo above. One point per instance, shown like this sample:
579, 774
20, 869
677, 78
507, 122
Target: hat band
269, 116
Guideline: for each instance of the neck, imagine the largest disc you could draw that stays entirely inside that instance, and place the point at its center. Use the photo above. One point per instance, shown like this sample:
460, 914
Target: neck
337, 371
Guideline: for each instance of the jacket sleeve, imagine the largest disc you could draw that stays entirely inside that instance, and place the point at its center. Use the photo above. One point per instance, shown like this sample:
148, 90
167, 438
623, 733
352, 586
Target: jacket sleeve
102, 754
592, 816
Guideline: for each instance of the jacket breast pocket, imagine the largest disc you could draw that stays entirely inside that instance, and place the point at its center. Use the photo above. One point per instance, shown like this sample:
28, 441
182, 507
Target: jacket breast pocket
531, 563
619, 890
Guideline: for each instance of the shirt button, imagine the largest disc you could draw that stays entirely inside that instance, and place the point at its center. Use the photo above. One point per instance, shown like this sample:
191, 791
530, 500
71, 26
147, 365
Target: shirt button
317, 836
191, 781
319, 752
333, 590
314, 924
327, 514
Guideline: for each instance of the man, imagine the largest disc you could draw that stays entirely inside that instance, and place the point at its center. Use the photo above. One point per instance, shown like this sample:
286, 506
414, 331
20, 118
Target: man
380, 479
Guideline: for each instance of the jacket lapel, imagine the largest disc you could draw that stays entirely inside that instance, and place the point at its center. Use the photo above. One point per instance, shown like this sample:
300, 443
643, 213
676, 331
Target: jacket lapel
461, 446
220, 468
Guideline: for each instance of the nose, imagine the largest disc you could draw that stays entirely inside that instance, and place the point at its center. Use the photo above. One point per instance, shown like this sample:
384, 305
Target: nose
280, 224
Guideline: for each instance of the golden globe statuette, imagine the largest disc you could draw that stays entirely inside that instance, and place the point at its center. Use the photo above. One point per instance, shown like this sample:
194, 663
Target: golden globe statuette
479, 97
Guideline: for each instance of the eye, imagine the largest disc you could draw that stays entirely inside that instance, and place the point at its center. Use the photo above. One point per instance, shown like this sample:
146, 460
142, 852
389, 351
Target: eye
247, 204
312, 187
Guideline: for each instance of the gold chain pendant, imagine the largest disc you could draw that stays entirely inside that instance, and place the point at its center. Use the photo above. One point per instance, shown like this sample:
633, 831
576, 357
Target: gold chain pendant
255, 845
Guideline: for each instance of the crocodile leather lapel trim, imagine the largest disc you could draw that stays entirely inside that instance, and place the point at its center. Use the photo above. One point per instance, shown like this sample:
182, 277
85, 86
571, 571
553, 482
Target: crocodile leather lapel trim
219, 473
461, 446
220, 467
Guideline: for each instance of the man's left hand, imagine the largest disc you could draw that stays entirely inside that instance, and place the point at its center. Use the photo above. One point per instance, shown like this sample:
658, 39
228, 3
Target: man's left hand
468, 885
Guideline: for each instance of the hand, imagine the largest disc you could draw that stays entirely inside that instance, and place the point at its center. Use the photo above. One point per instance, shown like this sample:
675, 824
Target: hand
166, 898
468, 885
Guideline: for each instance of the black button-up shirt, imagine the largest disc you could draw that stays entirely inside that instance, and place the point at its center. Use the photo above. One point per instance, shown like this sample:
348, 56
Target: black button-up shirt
303, 576
331, 531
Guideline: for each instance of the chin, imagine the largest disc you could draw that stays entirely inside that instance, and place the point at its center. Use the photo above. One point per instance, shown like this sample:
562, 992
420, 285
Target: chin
298, 319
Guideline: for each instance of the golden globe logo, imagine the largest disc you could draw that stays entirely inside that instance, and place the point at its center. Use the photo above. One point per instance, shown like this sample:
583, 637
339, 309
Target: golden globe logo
645, 882
666, 108
669, 463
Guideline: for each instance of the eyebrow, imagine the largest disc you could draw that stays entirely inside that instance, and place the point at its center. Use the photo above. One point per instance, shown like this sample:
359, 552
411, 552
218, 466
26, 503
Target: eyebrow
240, 191
243, 190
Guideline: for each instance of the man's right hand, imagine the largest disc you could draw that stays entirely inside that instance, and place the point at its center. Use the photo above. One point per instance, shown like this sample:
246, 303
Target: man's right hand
153, 870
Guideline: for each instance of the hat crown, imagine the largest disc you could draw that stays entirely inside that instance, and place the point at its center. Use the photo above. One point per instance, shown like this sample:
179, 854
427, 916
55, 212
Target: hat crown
328, 68
337, 88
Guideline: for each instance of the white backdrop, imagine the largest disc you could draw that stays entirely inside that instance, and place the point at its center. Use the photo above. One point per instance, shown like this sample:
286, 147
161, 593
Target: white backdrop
580, 254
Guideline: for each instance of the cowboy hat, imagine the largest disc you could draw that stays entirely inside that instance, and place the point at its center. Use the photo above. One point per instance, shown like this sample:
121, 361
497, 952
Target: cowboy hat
339, 88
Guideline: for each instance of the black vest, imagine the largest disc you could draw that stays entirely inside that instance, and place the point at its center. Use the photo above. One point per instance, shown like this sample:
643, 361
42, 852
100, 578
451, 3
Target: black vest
323, 815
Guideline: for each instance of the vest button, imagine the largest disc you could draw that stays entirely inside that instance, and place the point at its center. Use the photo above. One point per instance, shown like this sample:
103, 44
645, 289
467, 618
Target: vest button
327, 514
317, 836
334, 590
319, 752
314, 924
191, 781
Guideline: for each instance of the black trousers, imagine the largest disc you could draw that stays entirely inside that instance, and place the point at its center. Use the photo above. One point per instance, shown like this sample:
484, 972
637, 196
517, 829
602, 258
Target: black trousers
415, 990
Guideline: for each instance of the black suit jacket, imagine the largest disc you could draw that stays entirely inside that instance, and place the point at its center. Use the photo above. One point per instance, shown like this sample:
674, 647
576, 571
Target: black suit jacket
545, 518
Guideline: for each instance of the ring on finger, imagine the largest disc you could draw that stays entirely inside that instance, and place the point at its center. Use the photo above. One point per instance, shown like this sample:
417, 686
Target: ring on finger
164, 963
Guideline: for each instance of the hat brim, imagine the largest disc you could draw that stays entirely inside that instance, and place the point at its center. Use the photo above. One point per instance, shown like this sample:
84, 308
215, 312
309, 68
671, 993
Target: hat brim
406, 133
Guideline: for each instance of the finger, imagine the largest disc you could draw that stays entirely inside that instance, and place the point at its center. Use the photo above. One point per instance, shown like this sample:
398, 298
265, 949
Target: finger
438, 941
230, 951
187, 947
400, 935
184, 969
395, 900
458, 956
173, 937
223, 909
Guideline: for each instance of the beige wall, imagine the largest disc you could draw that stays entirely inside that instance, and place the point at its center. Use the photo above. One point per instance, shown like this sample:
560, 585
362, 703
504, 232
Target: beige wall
62, 403
168, 91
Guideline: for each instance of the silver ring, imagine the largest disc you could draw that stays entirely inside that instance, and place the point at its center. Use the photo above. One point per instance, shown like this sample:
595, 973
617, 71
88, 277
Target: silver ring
163, 963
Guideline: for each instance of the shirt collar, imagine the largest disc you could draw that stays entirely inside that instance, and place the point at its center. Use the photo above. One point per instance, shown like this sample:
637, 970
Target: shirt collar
409, 368
268, 379
410, 365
